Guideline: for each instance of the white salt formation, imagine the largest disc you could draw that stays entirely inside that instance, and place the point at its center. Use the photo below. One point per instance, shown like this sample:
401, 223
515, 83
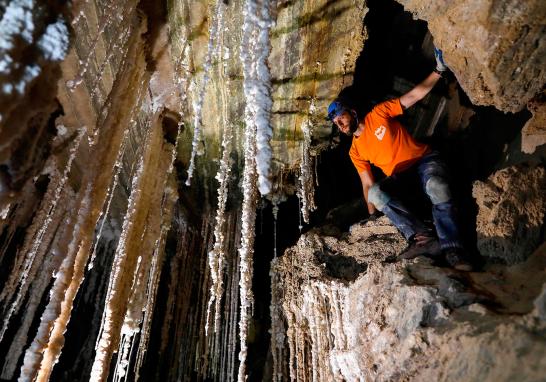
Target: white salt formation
306, 192
255, 48
256, 89
130, 277
216, 24
18, 25
217, 255
18, 290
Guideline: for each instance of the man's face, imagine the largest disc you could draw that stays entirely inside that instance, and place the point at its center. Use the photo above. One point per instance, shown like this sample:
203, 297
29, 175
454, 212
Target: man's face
346, 123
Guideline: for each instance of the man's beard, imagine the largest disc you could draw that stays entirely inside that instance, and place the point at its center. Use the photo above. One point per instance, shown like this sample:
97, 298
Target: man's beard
353, 125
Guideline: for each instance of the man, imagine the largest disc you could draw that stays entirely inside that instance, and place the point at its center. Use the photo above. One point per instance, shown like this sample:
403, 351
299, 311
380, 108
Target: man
381, 140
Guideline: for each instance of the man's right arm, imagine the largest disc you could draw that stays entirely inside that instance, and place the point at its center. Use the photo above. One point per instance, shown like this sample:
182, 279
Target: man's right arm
366, 177
420, 91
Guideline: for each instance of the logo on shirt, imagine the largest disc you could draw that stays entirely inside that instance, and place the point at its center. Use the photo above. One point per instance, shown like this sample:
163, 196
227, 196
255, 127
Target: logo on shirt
380, 132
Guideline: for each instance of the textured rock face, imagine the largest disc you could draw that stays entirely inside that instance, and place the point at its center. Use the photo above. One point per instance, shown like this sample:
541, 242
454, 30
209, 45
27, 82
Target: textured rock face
496, 48
534, 131
351, 314
512, 205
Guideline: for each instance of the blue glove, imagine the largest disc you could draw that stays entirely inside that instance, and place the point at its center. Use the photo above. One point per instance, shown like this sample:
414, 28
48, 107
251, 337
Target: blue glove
440, 64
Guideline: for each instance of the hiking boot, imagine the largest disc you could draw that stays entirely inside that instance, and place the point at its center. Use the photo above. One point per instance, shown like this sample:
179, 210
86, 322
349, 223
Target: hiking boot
421, 244
457, 259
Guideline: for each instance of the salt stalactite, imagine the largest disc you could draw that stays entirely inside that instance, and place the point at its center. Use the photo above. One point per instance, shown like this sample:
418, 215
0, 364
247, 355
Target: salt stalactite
124, 261
248, 218
208, 342
255, 49
26, 272
277, 330
275, 216
35, 355
45, 258
118, 165
250, 177
155, 273
47, 345
146, 273
306, 193
216, 24
257, 91
102, 358
217, 256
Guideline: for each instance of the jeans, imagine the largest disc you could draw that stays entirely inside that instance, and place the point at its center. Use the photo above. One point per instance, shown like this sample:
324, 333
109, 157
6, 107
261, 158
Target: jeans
434, 180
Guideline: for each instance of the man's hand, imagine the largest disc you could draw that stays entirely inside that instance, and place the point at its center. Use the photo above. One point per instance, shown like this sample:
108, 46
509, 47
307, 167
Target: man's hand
375, 215
440, 64
366, 177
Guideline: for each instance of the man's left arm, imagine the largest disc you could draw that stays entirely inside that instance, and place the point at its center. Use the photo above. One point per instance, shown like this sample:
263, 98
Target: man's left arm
420, 91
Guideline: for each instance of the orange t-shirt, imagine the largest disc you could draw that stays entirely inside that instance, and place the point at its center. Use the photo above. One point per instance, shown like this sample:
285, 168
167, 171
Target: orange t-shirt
385, 142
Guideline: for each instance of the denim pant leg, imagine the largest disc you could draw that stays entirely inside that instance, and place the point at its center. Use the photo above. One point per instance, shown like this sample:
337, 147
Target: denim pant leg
397, 213
433, 174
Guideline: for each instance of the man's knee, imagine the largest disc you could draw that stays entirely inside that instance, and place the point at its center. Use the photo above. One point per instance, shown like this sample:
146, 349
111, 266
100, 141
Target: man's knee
438, 190
378, 197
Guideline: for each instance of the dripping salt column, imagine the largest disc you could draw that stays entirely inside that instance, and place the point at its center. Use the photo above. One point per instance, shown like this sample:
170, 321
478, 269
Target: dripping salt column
198, 106
145, 244
248, 218
306, 193
259, 13
39, 241
50, 335
127, 253
257, 90
217, 256
29, 268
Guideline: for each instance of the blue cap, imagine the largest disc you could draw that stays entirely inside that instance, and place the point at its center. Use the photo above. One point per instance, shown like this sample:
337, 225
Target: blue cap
335, 109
